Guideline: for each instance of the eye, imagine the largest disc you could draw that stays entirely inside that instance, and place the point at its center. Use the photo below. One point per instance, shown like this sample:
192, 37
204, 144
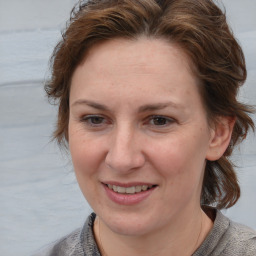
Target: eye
94, 120
160, 121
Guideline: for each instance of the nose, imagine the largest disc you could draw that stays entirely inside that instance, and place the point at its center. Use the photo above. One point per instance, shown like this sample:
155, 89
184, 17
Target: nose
125, 152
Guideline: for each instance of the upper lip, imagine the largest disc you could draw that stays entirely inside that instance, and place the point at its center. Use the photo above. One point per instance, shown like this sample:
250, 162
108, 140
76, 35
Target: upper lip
129, 184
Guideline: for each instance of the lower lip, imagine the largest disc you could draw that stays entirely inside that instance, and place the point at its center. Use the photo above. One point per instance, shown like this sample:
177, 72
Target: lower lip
128, 199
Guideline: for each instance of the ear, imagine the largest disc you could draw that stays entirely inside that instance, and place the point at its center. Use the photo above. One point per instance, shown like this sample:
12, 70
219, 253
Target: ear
220, 137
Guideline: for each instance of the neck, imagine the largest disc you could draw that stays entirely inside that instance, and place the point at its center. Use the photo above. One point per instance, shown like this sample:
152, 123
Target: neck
181, 238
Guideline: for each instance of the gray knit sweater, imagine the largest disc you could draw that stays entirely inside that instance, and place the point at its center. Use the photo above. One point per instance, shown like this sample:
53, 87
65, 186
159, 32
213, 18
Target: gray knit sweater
227, 238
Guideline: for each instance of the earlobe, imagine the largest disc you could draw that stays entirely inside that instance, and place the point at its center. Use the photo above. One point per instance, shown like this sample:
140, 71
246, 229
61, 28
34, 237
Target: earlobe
220, 137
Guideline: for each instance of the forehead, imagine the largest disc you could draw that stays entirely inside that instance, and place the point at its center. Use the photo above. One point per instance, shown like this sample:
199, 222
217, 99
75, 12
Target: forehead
138, 69
141, 52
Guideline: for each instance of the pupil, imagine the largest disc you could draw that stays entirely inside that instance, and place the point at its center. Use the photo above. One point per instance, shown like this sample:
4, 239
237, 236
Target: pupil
160, 121
96, 120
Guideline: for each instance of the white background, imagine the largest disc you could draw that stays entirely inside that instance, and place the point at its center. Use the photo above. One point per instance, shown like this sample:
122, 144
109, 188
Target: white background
39, 198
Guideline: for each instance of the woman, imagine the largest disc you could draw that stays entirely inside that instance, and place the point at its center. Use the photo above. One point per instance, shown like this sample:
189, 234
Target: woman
147, 107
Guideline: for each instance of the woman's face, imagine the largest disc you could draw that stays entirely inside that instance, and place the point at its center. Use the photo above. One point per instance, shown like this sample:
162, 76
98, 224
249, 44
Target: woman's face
138, 126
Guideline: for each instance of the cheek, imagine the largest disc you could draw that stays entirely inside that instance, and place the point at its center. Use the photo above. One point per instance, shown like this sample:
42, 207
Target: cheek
86, 160
85, 151
179, 155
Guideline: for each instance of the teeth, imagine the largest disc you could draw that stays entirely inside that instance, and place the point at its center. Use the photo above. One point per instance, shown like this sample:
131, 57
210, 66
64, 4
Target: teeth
144, 187
138, 189
129, 190
121, 190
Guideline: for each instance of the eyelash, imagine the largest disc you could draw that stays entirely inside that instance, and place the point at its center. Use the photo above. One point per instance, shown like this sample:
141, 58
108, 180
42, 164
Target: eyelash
167, 120
101, 120
88, 119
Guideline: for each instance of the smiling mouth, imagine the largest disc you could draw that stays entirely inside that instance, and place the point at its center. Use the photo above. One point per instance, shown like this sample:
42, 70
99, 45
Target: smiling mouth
129, 190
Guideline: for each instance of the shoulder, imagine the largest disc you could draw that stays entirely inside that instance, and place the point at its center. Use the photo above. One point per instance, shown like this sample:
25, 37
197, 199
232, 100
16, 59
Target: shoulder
236, 240
68, 245
228, 238
240, 240
79, 243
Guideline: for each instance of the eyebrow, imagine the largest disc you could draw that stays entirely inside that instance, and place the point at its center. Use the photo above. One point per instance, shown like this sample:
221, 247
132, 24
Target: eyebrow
90, 104
144, 108
158, 106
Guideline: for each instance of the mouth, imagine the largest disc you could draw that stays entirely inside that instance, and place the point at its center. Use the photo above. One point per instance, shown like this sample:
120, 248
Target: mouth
128, 194
131, 190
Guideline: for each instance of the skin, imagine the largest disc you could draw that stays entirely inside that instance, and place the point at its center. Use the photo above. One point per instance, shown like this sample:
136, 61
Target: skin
115, 136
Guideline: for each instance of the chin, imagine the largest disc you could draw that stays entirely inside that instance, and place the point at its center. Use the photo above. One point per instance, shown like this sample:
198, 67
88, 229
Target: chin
128, 225
129, 230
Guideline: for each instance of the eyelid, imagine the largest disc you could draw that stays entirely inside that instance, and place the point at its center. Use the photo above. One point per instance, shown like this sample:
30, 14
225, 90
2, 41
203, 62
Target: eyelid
170, 120
86, 119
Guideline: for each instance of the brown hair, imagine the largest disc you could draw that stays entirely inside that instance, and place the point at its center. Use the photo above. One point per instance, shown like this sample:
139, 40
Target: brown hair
199, 27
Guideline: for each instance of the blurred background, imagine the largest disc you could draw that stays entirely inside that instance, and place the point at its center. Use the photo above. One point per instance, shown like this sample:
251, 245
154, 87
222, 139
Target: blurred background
39, 198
